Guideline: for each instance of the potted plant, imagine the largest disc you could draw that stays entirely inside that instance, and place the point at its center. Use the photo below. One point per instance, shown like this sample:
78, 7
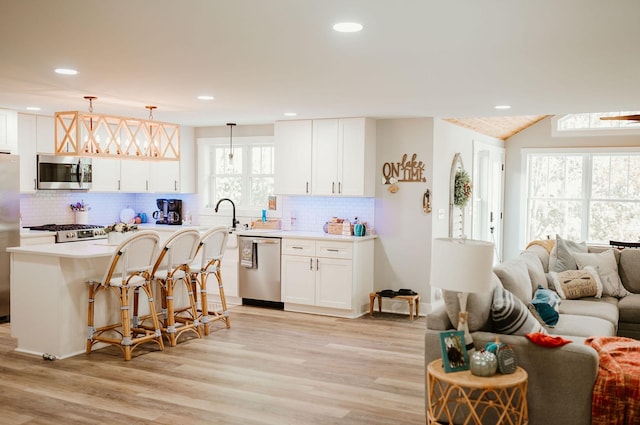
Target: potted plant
117, 232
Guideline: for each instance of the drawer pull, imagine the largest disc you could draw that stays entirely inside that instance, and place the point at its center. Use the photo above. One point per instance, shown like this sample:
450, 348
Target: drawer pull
333, 250
297, 247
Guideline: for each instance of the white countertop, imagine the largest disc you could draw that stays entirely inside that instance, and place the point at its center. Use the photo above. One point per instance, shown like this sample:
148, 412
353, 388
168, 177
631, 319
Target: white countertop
86, 249
293, 234
28, 233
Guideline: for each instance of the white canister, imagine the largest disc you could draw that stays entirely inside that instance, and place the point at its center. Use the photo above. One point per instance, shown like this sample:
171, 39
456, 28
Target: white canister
82, 217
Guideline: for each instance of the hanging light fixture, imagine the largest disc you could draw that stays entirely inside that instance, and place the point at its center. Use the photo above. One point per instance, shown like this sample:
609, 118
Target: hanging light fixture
90, 134
231, 125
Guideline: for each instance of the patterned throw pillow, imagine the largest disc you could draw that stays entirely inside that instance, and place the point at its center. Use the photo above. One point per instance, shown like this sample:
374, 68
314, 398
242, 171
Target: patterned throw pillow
545, 306
574, 284
509, 315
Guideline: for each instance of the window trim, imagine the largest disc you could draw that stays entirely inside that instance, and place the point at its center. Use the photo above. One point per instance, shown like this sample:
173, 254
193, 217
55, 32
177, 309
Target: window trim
590, 132
202, 167
524, 165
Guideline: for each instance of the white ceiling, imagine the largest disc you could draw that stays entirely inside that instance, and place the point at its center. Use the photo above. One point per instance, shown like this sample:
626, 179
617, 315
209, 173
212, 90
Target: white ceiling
261, 58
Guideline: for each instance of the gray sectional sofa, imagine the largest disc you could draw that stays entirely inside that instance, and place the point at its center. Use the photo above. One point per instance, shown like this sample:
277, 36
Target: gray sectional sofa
560, 379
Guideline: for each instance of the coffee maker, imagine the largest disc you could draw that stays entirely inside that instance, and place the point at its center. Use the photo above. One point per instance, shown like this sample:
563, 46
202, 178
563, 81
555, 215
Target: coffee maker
169, 211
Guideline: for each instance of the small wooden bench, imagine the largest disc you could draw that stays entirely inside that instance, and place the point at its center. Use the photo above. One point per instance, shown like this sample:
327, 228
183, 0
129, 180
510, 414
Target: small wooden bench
411, 299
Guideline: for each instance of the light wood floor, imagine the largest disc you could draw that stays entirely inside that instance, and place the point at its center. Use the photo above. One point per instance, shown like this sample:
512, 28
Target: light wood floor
271, 367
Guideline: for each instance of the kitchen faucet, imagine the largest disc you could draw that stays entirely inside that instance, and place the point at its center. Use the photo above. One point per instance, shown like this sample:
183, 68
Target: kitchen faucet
233, 219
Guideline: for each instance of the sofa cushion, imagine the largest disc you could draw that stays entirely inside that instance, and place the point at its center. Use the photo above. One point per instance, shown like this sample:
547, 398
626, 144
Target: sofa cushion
541, 252
629, 269
535, 269
607, 268
478, 307
561, 257
605, 308
514, 276
577, 325
629, 308
511, 316
574, 284
545, 304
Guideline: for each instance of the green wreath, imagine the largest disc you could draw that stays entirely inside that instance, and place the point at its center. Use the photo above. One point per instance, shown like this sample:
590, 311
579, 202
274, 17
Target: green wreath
461, 189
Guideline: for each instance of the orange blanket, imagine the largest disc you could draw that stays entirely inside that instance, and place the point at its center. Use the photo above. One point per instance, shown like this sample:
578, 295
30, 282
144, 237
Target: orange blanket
547, 244
616, 393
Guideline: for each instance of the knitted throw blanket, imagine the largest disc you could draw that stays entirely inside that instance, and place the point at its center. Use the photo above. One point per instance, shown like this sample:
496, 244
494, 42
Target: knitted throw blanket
547, 244
616, 393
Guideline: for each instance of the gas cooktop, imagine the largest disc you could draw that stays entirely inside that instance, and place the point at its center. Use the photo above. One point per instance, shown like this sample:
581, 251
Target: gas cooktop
73, 232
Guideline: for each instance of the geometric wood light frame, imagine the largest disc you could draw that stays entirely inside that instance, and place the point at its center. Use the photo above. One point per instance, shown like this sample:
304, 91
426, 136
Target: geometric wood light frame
99, 135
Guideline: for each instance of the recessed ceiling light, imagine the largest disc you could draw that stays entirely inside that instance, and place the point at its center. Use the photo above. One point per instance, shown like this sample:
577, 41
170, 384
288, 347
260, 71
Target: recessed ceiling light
347, 27
503, 107
205, 97
66, 71
290, 114
32, 108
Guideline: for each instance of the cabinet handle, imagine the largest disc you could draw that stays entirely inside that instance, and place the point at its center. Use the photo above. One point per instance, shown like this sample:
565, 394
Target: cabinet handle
333, 250
307, 188
317, 264
146, 185
297, 247
35, 184
175, 185
333, 187
339, 188
310, 263
119, 188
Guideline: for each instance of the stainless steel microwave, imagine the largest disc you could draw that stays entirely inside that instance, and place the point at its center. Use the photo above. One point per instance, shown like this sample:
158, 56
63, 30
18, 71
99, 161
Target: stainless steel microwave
64, 172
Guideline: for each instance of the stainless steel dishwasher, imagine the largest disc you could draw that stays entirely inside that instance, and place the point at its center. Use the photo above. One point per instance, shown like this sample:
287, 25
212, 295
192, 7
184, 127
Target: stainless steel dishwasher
259, 271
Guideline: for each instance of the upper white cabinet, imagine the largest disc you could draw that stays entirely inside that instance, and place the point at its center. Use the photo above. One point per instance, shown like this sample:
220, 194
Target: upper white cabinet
8, 131
164, 176
293, 157
135, 176
106, 175
27, 152
45, 134
341, 155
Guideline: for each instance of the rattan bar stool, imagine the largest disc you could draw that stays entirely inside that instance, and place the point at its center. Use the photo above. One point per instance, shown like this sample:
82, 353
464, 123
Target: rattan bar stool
173, 266
129, 270
211, 249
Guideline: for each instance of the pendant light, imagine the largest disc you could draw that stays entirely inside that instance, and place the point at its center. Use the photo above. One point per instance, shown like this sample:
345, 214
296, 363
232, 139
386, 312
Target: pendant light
231, 125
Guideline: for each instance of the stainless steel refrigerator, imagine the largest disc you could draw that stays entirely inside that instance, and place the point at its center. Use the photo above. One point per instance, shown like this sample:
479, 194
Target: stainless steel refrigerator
9, 223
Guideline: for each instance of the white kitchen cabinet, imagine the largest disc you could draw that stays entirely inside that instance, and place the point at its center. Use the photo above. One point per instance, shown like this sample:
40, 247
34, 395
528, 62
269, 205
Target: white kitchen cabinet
134, 175
293, 146
27, 152
8, 131
327, 276
328, 157
106, 175
45, 134
344, 157
164, 176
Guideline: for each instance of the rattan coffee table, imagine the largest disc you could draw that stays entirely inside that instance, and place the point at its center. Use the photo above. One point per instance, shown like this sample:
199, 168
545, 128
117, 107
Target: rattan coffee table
475, 398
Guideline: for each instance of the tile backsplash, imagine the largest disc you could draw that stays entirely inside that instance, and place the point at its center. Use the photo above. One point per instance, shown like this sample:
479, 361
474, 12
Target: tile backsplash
52, 206
310, 212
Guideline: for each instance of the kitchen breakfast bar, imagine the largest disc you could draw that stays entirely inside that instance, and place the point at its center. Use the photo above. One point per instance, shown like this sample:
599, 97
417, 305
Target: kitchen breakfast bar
49, 295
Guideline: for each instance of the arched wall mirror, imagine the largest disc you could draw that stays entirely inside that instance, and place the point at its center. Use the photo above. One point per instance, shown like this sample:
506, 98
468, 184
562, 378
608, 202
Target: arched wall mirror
456, 211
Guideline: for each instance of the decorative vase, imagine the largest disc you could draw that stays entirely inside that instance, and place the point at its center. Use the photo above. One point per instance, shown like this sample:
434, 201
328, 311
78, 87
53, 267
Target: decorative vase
483, 363
116, 238
82, 217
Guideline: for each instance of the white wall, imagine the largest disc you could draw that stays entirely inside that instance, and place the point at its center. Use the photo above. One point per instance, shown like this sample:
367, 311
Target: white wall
538, 136
402, 251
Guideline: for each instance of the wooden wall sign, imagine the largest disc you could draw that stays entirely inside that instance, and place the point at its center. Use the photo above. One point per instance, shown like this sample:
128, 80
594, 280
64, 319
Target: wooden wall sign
407, 170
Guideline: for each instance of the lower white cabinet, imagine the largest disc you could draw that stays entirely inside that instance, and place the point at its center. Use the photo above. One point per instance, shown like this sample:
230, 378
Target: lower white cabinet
327, 276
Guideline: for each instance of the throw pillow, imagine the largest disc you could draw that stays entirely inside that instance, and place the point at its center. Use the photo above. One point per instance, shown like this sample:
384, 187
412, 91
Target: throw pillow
574, 284
509, 315
607, 268
546, 305
564, 254
514, 276
535, 269
478, 308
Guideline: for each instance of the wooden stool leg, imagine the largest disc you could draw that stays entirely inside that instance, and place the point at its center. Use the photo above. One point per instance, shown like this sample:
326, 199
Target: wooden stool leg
379, 297
223, 298
410, 308
418, 306
372, 298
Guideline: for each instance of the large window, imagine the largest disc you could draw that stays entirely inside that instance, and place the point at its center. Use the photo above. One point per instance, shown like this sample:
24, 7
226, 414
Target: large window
591, 196
247, 178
